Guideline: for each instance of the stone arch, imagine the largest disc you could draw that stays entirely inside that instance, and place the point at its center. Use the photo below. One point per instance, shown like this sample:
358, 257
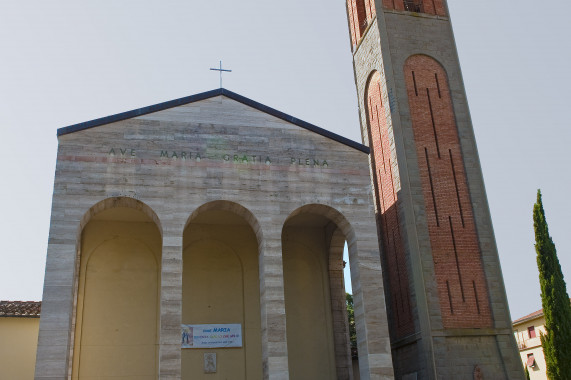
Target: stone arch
221, 285
223, 205
329, 212
119, 249
419, 59
115, 202
323, 231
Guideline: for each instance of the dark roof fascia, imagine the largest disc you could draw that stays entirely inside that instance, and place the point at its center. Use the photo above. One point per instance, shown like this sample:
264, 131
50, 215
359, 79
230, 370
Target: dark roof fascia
207, 95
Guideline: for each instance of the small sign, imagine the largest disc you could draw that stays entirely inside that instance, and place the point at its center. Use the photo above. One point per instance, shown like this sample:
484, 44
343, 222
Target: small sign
210, 362
211, 336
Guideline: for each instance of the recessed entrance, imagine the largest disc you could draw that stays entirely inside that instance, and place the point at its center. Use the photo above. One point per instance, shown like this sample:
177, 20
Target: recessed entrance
117, 298
221, 286
316, 315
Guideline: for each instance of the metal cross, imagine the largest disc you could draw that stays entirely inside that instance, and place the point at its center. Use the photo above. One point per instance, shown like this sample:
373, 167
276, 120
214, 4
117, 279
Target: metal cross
221, 70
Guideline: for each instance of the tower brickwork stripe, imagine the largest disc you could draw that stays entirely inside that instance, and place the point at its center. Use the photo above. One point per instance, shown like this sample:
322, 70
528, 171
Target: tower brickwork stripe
449, 214
387, 212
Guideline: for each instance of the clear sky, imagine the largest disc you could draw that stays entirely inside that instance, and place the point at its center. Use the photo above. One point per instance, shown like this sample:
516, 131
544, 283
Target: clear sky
65, 62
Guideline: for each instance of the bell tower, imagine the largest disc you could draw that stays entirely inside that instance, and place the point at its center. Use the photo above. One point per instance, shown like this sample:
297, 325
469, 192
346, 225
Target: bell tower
445, 297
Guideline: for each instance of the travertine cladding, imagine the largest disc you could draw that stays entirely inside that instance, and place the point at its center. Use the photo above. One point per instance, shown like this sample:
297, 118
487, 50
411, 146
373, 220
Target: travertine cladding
263, 164
396, 36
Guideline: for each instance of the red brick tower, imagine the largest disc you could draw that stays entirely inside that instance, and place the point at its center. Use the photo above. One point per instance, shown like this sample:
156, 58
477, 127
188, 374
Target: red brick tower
447, 307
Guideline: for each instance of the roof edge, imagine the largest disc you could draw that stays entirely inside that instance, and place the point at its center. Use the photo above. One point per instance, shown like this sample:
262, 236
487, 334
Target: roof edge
527, 318
207, 95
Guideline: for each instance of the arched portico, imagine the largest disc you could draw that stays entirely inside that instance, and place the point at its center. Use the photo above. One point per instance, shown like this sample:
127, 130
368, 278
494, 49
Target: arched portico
312, 241
220, 286
116, 318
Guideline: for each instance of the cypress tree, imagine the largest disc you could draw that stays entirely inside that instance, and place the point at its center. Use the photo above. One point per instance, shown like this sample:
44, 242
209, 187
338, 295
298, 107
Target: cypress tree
555, 300
351, 318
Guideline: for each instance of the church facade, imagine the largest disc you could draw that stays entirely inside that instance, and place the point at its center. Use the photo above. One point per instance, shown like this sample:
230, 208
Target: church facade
221, 214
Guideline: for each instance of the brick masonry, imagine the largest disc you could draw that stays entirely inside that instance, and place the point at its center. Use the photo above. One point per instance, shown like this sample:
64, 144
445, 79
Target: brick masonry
460, 278
432, 7
435, 351
361, 13
394, 258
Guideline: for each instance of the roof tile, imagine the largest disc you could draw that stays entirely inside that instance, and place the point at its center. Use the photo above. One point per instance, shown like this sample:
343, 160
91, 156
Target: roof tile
528, 317
30, 309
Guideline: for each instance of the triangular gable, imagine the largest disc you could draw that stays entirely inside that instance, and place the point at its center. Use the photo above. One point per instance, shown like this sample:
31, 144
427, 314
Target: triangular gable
207, 95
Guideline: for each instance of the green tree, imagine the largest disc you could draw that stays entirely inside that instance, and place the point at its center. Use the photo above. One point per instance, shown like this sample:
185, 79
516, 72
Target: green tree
351, 318
555, 300
527, 373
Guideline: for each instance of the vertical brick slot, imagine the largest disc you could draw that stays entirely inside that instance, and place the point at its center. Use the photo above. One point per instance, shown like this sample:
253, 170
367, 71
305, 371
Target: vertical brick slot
437, 85
431, 187
456, 257
433, 122
414, 81
371, 107
456, 187
449, 297
398, 273
476, 296
381, 143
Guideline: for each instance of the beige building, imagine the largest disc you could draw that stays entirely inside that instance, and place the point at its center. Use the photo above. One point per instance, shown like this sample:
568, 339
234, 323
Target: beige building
527, 331
19, 324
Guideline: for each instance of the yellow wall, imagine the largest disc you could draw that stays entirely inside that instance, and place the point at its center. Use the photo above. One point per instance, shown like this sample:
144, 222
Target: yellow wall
18, 343
221, 286
311, 354
117, 310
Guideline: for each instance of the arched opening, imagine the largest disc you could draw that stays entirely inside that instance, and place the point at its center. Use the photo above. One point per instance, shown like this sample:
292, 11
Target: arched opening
118, 291
220, 287
458, 267
385, 180
433, 7
358, 18
313, 238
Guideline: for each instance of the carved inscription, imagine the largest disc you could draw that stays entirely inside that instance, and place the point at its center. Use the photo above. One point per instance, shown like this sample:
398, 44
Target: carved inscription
241, 158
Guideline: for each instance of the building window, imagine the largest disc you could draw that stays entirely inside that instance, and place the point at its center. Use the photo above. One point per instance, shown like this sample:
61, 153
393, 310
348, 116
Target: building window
530, 360
413, 6
531, 332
